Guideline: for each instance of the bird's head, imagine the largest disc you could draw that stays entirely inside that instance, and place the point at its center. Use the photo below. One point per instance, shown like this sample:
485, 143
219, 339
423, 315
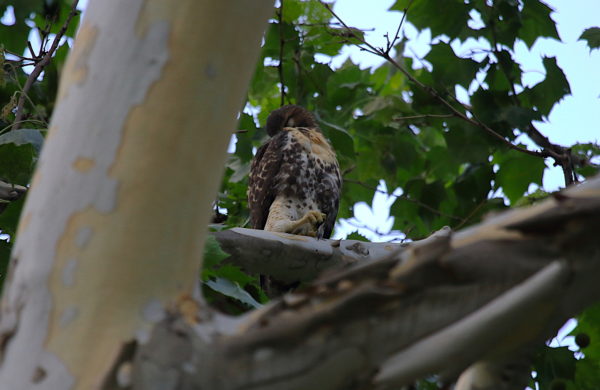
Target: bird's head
289, 116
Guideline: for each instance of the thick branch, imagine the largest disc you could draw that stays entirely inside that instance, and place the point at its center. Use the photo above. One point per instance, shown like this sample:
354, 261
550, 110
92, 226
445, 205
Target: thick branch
290, 258
491, 292
9, 192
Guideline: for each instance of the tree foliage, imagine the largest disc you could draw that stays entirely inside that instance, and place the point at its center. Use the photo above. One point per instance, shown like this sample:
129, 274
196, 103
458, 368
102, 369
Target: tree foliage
27, 33
454, 158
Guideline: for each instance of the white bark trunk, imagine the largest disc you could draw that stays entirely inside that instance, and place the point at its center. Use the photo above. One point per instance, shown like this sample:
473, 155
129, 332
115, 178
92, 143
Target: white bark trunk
113, 228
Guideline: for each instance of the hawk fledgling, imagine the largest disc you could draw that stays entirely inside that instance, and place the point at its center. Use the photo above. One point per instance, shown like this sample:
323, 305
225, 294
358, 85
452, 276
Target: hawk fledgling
295, 180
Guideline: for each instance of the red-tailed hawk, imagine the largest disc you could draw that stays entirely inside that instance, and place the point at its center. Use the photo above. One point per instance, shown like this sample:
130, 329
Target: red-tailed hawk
295, 180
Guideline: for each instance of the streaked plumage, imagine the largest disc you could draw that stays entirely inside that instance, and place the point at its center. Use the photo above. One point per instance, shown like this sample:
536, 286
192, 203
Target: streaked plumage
295, 180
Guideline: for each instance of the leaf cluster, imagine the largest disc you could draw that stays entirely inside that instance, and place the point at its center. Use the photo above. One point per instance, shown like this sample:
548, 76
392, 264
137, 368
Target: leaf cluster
26, 25
384, 126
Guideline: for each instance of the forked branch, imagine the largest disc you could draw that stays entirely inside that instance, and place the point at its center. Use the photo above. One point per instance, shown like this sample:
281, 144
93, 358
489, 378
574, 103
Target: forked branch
42, 60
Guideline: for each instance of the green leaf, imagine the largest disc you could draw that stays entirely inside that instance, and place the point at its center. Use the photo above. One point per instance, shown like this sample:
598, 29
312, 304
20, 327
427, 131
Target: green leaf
340, 138
5, 249
592, 36
379, 77
448, 69
234, 274
427, 14
532, 198
554, 364
17, 162
518, 117
232, 290
588, 152
292, 10
516, 172
24, 8
505, 73
384, 108
441, 164
240, 169
345, 83
474, 184
551, 90
9, 218
357, 236
536, 22
487, 104
243, 144
273, 40
213, 255
22, 137
14, 38
505, 20
348, 35
587, 375
467, 142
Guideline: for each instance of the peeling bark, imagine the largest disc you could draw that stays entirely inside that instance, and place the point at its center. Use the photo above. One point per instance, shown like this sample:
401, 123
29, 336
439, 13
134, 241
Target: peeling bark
112, 229
482, 298
292, 258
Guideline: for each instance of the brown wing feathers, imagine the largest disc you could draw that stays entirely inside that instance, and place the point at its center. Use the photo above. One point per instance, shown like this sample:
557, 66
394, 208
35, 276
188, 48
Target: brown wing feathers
304, 174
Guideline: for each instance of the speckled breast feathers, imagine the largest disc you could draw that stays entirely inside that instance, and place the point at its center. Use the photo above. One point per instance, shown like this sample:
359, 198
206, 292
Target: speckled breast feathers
295, 180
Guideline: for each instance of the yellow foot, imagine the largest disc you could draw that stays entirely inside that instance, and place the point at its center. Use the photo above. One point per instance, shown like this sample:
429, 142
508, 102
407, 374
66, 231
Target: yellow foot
312, 218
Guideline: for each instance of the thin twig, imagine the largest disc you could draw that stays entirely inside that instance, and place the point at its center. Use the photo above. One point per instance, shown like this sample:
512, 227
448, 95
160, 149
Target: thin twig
397, 36
348, 170
330, 24
404, 197
401, 118
39, 67
22, 57
35, 56
355, 223
471, 214
43, 123
281, 46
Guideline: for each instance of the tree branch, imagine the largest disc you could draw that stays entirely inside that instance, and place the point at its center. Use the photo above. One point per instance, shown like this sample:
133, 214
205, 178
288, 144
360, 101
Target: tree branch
433, 92
424, 116
41, 64
561, 155
391, 44
405, 197
492, 292
292, 258
281, 46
